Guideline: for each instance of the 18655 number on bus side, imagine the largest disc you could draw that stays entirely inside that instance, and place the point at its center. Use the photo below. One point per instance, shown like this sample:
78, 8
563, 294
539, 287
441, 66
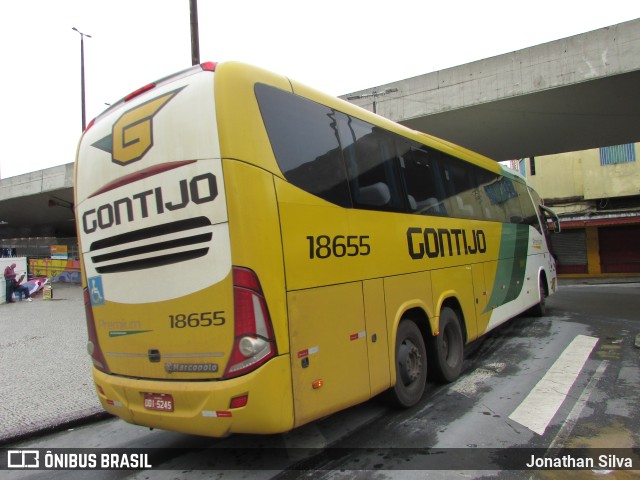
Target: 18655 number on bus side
325, 246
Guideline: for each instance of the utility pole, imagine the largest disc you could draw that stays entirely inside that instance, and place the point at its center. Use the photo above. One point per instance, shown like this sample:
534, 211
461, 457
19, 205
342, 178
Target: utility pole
195, 39
84, 114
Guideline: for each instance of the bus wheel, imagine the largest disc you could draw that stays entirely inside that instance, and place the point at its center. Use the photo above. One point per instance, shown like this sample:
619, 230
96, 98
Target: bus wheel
411, 365
540, 309
446, 349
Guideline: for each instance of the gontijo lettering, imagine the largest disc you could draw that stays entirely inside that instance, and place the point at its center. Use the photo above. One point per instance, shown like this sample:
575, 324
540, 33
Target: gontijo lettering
199, 189
444, 242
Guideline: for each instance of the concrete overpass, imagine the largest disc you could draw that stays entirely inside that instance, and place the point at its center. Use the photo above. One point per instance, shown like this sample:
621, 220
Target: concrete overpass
38, 204
572, 94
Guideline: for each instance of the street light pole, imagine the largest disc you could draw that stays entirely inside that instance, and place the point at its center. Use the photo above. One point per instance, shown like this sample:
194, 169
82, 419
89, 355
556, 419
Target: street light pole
195, 38
84, 115
373, 94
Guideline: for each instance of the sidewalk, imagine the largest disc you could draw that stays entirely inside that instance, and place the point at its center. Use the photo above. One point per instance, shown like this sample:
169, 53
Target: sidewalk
45, 371
593, 280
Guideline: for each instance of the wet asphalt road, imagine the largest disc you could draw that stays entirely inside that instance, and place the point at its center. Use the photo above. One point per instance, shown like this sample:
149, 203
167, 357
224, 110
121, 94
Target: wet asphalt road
469, 423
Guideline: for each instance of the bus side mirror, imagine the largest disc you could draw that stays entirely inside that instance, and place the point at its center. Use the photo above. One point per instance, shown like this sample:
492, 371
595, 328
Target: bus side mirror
550, 216
553, 224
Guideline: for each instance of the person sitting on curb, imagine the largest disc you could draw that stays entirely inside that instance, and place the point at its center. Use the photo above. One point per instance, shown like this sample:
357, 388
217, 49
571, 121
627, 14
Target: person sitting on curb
13, 285
22, 289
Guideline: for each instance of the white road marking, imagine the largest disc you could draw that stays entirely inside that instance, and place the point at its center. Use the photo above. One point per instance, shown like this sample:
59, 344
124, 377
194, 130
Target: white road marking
561, 438
542, 403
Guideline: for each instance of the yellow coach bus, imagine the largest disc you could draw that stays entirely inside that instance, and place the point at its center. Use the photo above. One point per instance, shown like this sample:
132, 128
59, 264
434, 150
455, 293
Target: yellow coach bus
257, 255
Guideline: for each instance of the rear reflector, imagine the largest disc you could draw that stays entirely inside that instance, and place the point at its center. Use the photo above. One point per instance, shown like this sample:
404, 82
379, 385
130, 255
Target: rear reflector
239, 402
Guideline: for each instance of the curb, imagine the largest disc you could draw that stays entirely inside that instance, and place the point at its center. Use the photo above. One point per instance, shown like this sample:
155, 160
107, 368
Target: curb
48, 430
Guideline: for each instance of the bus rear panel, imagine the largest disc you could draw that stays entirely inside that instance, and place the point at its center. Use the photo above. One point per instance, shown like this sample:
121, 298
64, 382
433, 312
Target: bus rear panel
181, 337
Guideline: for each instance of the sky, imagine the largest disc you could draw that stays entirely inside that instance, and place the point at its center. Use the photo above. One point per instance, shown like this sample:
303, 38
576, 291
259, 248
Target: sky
337, 46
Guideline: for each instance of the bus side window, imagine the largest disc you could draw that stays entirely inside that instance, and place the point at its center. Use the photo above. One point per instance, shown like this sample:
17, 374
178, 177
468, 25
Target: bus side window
369, 154
529, 213
461, 188
422, 181
504, 200
484, 181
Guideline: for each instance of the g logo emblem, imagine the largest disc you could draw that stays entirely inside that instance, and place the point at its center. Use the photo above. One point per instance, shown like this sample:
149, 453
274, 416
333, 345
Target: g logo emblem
132, 134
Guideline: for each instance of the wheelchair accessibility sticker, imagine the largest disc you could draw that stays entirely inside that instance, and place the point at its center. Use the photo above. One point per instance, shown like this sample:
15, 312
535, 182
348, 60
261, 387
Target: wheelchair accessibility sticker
96, 291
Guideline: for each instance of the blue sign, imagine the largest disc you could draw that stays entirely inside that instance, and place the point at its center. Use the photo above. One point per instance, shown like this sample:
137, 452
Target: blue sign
96, 291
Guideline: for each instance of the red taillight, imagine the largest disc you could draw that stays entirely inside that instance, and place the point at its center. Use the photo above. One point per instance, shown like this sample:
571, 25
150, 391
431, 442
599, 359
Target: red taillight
254, 341
245, 278
209, 66
93, 347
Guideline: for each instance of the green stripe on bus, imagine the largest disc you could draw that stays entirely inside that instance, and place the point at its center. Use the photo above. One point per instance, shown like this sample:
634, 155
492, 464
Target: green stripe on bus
512, 264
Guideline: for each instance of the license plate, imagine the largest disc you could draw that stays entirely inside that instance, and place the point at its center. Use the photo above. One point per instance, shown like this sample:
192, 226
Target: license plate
162, 402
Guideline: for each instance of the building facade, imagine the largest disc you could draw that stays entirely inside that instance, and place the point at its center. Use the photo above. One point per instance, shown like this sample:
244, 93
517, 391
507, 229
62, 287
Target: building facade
596, 193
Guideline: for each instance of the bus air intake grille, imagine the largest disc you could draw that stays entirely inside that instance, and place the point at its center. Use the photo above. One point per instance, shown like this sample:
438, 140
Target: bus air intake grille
152, 247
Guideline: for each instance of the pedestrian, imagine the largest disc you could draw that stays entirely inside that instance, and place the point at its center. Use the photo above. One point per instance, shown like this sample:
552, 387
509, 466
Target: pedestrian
23, 290
13, 285
9, 280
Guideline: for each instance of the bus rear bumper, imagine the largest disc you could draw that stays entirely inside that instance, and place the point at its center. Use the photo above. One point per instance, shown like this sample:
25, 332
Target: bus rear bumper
204, 407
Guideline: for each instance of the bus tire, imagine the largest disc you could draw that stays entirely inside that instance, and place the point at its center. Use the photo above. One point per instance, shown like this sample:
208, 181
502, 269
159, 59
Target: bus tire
540, 309
411, 366
446, 350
